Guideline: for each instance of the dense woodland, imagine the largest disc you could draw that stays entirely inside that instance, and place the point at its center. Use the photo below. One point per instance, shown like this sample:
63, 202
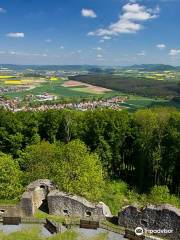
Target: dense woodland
132, 85
85, 152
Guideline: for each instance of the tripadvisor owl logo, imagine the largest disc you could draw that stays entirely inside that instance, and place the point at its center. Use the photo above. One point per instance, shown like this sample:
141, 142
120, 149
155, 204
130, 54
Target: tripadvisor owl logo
139, 231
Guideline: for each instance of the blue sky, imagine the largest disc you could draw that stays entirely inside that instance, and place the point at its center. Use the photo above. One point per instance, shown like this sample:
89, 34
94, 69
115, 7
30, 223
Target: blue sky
103, 32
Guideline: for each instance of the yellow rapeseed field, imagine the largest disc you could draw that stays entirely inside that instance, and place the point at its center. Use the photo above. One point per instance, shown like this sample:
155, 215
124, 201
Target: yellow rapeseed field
53, 78
11, 82
6, 77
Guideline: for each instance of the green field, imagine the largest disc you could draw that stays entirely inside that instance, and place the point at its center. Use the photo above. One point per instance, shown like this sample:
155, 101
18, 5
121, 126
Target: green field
35, 234
138, 102
84, 90
56, 88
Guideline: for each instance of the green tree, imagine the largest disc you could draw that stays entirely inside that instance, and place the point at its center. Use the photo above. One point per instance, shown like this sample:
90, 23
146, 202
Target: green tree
30, 129
106, 132
171, 155
79, 171
160, 194
38, 160
10, 178
72, 167
10, 132
48, 125
145, 129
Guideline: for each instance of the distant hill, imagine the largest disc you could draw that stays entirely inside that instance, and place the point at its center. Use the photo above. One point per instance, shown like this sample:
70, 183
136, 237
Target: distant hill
91, 68
15, 67
153, 67
178, 68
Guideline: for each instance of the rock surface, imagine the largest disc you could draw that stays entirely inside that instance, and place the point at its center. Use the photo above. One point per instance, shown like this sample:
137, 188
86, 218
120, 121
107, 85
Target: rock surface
43, 192
65, 204
152, 217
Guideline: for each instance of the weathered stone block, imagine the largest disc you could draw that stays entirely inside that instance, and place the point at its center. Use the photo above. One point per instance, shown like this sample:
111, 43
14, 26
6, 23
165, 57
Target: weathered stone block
64, 204
152, 218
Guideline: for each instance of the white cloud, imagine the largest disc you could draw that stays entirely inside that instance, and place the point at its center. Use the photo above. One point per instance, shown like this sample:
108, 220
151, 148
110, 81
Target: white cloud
26, 54
2, 10
48, 40
106, 37
61, 47
98, 49
15, 35
90, 34
142, 53
99, 57
88, 13
13, 53
130, 21
174, 52
17, 53
79, 51
138, 12
161, 46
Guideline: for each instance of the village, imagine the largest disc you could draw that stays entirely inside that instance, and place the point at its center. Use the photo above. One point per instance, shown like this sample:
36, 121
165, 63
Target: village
47, 102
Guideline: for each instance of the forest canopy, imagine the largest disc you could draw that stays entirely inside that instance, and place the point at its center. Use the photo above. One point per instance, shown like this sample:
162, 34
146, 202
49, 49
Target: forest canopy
86, 152
143, 86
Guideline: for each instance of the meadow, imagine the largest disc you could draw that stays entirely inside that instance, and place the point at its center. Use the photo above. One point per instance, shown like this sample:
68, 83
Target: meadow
138, 102
35, 234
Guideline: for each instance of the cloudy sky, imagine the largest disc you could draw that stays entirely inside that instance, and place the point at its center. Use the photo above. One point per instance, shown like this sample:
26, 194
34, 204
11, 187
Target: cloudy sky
103, 32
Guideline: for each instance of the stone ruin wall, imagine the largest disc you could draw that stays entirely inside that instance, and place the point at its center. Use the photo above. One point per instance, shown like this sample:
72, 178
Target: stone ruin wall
69, 205
26, 205
34, 196
59, 203
152, 218
63, 204
39, 195
9, 210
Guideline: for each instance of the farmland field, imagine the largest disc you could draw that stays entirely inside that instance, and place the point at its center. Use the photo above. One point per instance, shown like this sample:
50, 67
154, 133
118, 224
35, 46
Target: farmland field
141, 92
6, 76
133, 84
56, 87
88, 88
13, 82
138, 102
